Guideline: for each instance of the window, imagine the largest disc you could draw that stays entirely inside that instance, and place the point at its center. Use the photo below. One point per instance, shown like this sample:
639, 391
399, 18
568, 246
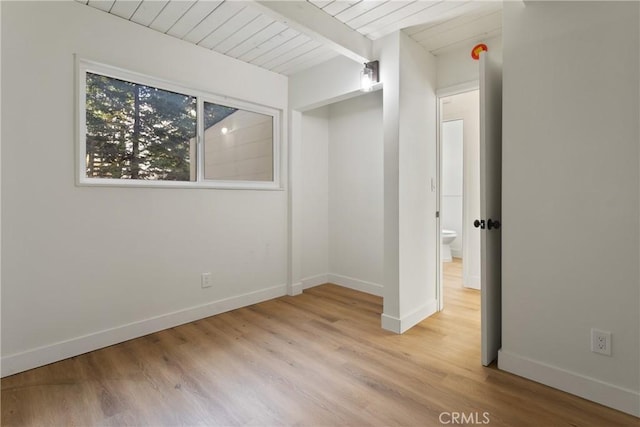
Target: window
238, 144
134, 131
140, 131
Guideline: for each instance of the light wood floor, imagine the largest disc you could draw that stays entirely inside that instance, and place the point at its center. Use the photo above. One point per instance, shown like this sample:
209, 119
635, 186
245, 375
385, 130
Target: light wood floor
318, 359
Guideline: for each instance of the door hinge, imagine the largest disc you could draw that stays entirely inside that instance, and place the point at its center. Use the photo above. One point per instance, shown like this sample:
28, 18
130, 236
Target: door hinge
437, 214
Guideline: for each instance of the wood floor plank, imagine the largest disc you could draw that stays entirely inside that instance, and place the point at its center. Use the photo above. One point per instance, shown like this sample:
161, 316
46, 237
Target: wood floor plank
317, 359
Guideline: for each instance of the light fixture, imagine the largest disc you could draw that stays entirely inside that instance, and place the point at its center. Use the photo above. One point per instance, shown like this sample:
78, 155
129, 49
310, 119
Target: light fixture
224, 131
369, 76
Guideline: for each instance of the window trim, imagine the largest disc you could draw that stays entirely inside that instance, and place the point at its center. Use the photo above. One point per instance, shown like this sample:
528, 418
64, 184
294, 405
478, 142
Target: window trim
84, 65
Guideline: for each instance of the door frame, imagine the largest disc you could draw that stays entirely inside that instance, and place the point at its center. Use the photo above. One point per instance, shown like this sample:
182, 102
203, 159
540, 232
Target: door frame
443, 93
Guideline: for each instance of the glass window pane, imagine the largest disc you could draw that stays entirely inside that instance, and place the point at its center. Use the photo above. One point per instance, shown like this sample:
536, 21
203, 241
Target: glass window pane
138, 132
238, 144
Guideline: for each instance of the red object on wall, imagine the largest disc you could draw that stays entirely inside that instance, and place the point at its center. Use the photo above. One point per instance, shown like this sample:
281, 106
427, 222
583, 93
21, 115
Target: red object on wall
475, 52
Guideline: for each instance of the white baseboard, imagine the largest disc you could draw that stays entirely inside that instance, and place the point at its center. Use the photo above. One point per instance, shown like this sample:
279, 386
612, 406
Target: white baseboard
456, 252
355, 284
610, 395
44, 355
310, 282
296, 289
390, 323
400, 326
472, 282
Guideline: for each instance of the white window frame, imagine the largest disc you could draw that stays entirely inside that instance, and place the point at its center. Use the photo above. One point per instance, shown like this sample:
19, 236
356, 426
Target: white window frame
84, 65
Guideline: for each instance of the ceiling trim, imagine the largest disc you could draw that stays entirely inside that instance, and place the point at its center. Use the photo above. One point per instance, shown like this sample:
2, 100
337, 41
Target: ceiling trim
317, 24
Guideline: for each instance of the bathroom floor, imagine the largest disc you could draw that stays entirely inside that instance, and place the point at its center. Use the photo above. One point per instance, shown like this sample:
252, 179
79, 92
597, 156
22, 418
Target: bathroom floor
464, 303
452, 273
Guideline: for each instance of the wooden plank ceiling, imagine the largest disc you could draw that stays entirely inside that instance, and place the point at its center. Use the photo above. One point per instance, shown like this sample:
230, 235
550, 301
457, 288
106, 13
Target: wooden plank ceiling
439, 26
241, 30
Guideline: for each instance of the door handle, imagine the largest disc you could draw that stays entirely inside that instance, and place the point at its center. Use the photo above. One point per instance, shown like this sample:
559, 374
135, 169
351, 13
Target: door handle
493, 224
479, 223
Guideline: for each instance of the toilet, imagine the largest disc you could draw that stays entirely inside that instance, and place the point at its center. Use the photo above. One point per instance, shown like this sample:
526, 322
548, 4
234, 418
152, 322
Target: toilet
448, 236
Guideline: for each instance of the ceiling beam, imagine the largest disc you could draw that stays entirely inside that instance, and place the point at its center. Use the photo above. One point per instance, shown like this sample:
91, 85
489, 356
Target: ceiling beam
308, 19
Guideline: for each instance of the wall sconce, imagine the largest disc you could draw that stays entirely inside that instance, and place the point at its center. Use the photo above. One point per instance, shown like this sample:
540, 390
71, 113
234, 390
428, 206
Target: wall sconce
369, 76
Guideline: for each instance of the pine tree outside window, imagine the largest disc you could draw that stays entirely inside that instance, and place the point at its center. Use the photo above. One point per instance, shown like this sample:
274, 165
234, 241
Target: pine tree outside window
135, 130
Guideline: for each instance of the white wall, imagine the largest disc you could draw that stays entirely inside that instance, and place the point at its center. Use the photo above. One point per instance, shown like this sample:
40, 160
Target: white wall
0, 179
417, 197
410, 237
387, 50
355, 192
314, 184
329, 82
466, 106
84, 267
457, 67
353, 124
341, 194
408, 75
452, 178
571, 196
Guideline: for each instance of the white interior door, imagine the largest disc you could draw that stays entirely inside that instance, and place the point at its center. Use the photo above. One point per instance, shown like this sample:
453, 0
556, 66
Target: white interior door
490, 205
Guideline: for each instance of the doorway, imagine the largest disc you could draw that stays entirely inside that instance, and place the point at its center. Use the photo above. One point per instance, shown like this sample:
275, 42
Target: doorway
459, 193
488, 222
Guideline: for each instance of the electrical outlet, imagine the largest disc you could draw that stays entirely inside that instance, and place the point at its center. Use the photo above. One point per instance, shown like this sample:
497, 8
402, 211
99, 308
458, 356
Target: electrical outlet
601, 342
206, 280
